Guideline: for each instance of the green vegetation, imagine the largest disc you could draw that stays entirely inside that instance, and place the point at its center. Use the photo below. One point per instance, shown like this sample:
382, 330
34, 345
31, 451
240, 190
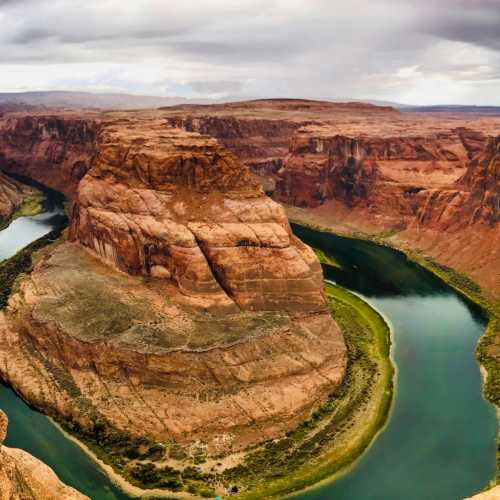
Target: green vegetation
326, 259
340, 430
488, 348
334, 436
32, 205
21, 263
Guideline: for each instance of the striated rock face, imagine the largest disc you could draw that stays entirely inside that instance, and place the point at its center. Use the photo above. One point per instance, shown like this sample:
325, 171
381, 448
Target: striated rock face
260, 143
173, 205
12, 195
23, 477
483, 180
323, 165
52, 150
182, 308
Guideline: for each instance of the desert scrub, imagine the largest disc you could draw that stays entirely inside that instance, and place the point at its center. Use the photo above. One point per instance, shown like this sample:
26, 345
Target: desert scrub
21, 263
32, 205
324, 258
331, 439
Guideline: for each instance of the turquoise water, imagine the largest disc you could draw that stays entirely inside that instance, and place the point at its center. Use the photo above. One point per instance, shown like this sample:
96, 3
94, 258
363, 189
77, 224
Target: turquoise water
440, 440
439, 443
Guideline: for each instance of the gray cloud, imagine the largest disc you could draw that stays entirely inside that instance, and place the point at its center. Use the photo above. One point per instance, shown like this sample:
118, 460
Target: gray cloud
389, 49
216, 87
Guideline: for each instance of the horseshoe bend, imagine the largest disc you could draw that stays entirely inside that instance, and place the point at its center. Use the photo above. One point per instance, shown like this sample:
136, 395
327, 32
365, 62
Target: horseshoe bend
180, 308
180, 330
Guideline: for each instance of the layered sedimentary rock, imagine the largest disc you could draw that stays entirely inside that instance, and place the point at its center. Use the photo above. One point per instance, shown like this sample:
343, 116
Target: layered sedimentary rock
23, 477
357, 167
259, 143
12, 196
182, 308
53, 150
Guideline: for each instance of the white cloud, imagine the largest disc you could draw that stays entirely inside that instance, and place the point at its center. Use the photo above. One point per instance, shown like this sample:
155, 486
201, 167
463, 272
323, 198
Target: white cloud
417, 51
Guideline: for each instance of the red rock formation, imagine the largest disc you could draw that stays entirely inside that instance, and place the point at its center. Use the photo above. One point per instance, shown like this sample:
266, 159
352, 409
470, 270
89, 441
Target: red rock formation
52, 150
169, 204
216, 329
374, 169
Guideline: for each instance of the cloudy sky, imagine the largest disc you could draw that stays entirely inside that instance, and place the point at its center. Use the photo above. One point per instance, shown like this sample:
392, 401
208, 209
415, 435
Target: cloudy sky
410, 51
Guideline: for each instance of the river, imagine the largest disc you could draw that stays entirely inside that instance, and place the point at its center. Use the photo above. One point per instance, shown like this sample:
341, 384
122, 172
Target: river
30, 430
439, 443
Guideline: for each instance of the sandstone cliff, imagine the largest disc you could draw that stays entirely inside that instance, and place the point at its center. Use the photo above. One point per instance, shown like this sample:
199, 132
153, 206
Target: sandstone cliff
183, 309
12, 196
365, 168
23, 477
52, 150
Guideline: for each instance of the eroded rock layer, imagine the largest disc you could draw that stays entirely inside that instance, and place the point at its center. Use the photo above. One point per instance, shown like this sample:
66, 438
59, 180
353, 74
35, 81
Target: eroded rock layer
53, 150
365, 168
12, 196
182, 308
23, 477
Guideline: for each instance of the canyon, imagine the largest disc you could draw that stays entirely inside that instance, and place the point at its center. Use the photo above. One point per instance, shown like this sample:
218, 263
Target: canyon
23, 477
179, 310
425, 181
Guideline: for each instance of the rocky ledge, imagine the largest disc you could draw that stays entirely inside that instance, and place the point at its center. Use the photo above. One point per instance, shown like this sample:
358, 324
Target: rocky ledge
23, 477
12, 196
182, 309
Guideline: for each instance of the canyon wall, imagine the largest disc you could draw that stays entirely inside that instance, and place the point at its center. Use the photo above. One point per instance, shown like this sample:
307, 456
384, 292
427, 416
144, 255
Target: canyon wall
424, 180
53, 150
23, 477
181, 308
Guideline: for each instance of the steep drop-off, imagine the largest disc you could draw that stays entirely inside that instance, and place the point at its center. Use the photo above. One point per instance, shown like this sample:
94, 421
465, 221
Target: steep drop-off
182, 309
54, 150
366, 168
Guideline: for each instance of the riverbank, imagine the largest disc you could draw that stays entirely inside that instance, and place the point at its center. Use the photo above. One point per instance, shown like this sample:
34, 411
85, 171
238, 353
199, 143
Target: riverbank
325, 445
350, 420
319, 449
488, 347
32, 205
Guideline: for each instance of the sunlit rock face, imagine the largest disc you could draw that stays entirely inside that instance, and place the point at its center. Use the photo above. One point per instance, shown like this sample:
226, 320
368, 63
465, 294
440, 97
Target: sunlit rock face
174, 205
23, 477
181, 296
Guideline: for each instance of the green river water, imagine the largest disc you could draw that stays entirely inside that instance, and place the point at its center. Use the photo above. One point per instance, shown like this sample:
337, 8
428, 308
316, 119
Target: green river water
439, 443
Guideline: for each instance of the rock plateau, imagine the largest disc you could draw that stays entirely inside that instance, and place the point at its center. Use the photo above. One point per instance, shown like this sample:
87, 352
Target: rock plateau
181, 308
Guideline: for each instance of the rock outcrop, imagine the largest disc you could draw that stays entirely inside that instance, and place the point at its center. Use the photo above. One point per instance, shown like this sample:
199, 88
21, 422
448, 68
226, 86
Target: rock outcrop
377, 170
173, 205
12, 196
182, 308
53, 150
23, 477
